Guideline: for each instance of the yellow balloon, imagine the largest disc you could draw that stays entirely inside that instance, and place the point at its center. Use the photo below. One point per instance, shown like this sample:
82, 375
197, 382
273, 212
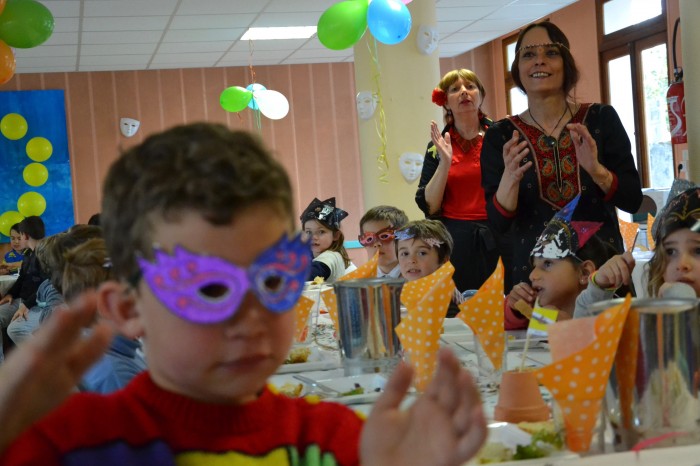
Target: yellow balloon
35, 174
39, 149
13, 126
7, 219
31, 203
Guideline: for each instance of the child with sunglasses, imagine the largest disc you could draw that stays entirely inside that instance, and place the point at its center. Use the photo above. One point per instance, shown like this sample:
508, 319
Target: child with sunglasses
207, 271
377, 227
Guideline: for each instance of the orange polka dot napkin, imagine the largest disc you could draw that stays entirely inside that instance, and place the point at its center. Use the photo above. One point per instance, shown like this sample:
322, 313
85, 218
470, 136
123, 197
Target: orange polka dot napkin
301, 318
650, 237
426, 301
577, 379
366, 270
629, 233
483, 313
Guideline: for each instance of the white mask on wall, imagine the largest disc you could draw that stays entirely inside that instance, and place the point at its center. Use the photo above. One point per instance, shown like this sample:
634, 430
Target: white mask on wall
427, 39
129, 126
411, 165
366, 104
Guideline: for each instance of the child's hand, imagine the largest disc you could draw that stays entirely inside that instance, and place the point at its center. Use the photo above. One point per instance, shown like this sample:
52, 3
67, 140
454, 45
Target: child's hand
42, 371
21, 313
445, 426
616, 272
521, 291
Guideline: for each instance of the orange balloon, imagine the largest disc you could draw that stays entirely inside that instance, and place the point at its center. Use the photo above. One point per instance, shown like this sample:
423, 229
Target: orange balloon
7, 62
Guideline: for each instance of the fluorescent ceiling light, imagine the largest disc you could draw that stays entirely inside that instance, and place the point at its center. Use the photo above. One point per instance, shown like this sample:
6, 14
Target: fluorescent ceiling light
296, 32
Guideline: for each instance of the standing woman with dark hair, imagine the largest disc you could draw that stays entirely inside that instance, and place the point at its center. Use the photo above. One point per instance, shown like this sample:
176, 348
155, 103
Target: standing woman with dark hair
450, 184
534, 163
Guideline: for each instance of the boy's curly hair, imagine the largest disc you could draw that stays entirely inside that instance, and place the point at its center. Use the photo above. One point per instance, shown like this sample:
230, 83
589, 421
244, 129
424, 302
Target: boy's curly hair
202, 167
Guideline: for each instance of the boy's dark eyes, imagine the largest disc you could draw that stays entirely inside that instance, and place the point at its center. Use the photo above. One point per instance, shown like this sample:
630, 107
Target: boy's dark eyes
214, 290
670, 252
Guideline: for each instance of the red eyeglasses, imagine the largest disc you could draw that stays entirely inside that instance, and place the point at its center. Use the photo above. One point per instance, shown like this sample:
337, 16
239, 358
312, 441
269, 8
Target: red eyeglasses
369, 238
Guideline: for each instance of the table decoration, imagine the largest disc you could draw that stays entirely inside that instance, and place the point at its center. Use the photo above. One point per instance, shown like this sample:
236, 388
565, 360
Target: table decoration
426, 301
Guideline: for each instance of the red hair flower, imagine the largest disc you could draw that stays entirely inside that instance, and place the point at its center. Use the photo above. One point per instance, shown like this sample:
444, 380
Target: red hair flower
439, 97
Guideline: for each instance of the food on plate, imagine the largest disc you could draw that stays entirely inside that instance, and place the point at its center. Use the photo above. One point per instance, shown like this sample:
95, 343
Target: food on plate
545, 440
494, 452
357, 390
318, 280
292, 390
298, 355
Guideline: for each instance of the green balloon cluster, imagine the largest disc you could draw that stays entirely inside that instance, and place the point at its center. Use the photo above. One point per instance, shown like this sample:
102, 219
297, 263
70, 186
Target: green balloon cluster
25, 24
235, 98
343, 24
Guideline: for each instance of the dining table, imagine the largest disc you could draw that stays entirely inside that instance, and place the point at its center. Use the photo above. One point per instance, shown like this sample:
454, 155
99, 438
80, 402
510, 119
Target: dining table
324, 367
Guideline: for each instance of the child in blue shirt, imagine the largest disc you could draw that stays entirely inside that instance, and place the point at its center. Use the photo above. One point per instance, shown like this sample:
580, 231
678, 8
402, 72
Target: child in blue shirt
13, 258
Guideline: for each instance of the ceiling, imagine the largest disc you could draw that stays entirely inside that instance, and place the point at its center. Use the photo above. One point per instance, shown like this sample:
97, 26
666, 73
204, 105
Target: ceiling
110, 35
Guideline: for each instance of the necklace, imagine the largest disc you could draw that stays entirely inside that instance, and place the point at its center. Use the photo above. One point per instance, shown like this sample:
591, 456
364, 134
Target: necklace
548, 138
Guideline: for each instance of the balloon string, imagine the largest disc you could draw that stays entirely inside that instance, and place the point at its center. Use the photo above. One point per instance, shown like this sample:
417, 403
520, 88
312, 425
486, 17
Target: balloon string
382, 160
251, 48
258, 120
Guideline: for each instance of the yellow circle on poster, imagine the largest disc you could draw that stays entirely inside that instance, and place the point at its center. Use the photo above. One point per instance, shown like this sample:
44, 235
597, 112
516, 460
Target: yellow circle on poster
7, 219
13, 126
31, 203
39, 149
35, 174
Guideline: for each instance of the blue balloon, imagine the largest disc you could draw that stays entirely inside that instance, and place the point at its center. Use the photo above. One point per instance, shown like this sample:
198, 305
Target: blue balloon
252, 88
389, 21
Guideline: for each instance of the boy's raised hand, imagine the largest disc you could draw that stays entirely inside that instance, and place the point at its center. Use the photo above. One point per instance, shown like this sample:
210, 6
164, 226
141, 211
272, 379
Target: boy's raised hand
40, 373
444, 427
617, 271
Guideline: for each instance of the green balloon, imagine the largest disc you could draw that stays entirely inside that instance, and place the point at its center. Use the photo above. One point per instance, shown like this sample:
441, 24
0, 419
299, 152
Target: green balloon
235, 98
343, 24
25, 24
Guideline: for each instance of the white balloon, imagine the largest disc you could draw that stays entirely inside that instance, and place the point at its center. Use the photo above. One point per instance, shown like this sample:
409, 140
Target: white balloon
272, 104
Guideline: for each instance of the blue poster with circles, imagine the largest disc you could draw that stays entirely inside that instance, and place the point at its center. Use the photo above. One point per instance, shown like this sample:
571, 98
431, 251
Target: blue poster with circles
35, 167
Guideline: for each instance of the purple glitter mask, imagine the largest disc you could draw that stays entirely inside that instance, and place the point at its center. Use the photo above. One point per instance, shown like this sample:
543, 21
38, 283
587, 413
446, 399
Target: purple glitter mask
208, 289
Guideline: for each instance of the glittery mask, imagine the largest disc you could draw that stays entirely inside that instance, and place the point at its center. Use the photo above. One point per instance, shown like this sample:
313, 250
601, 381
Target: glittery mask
561, 237
208, 289
402, 235
682, 211
325, 212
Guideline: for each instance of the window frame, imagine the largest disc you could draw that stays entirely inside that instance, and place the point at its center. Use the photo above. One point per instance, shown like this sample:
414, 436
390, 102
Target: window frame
631, 41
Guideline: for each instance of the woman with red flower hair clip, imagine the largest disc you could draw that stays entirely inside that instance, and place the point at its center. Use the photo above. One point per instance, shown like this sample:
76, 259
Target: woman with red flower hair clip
450, 184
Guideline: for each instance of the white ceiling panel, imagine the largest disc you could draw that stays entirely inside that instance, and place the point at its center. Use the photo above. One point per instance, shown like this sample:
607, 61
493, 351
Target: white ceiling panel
103, 35
125, 23
129, 7
203, 35
118, 49
212, 21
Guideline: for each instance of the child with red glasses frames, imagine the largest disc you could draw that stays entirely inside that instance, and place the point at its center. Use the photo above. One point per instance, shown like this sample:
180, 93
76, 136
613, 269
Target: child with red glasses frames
377, 227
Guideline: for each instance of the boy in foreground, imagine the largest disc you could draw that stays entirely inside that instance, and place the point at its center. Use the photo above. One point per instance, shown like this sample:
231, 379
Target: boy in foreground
198, 224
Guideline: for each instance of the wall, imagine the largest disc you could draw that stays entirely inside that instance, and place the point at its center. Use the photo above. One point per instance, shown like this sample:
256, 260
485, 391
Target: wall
317, 142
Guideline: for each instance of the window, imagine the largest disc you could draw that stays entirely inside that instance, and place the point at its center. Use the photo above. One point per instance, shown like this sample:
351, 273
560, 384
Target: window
516, 100
634, 68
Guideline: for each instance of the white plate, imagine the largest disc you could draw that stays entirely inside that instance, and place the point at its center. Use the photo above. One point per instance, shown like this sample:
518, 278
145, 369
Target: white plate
370, 383
511, 436
319, 360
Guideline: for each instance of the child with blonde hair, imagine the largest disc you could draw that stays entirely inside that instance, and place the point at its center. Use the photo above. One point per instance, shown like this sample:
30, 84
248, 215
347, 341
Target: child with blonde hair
677, 255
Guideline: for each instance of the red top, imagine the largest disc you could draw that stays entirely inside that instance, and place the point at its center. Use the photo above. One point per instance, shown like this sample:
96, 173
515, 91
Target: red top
463, 198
